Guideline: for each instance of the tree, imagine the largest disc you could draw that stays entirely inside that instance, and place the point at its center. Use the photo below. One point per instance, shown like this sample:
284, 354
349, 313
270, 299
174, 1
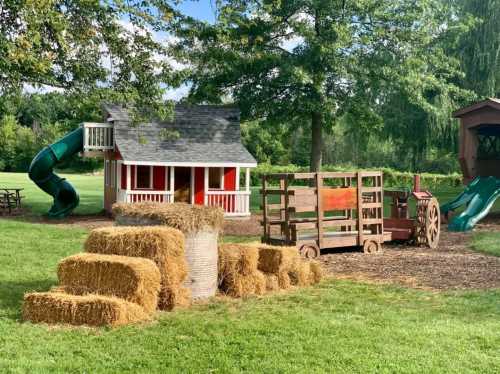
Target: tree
305, 60
479, 49
86, 46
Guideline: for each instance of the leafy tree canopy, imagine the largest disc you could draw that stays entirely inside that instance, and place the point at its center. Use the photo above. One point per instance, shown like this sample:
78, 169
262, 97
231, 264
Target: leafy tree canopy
82, 46
308, 62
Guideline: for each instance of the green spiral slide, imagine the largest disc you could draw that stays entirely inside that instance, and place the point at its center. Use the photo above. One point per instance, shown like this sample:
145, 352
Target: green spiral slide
42, 173
480, 195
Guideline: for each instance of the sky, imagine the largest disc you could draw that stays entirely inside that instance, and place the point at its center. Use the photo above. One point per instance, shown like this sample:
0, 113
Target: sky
202, 9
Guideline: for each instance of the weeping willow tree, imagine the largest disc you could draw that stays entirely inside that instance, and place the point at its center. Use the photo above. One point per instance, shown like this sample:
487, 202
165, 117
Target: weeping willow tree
480, 47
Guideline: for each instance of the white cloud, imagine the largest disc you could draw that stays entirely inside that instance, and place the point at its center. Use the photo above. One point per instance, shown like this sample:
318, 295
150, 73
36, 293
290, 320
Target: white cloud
179, 93
291, 43
28, 88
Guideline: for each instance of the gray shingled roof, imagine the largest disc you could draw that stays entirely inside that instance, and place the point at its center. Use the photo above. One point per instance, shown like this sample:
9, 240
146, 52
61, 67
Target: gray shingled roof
208, 134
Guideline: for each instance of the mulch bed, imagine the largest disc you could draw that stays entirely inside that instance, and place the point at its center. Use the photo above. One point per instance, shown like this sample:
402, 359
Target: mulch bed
452, 266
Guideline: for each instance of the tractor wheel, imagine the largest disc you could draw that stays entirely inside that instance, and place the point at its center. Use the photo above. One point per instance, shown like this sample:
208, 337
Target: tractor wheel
371, 247
309, 251
428, 223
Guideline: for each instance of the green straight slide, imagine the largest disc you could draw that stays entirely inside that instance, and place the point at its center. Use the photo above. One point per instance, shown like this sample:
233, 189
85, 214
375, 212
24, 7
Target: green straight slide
480, 195
42, 173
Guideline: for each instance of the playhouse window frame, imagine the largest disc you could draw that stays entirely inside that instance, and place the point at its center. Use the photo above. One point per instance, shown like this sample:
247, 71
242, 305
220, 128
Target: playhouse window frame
150, 177
221, 179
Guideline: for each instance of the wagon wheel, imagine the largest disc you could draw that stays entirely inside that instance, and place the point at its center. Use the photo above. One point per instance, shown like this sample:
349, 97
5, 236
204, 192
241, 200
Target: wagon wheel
372, 246
428, 223
309, 251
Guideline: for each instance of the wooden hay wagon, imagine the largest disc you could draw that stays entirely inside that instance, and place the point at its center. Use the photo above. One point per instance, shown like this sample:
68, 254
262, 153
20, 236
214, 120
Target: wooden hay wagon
324, 210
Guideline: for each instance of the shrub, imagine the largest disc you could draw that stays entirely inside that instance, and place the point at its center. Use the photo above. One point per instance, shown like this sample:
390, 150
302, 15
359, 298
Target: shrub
392, 178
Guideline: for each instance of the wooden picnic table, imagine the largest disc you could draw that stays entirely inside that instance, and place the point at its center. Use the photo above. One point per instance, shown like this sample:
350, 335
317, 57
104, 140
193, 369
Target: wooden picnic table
10, 198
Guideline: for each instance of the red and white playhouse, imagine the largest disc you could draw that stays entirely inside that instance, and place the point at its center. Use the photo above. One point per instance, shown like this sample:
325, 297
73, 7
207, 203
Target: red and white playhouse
197, 158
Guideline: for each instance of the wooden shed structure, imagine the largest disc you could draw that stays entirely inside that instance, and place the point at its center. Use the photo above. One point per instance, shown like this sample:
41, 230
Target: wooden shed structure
479, 153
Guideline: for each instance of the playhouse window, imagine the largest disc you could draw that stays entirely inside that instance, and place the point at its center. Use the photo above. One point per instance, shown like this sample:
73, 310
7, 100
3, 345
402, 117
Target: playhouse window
216, 178
144, 177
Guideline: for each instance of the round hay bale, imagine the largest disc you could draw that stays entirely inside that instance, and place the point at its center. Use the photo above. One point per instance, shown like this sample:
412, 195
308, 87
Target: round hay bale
202, 259
200, 225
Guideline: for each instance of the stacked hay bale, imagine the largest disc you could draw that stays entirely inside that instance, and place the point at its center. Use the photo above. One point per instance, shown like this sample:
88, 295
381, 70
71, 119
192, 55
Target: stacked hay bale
133, 279
249, 269
200, 226
238, 273
163, 245
91, 310
97, 290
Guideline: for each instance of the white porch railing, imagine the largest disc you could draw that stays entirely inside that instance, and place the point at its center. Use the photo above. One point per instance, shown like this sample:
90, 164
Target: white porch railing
97, 136
234, 203
137, 196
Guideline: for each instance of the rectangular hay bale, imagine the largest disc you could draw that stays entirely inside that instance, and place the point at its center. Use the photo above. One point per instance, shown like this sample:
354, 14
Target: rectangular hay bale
276, 259
163, 245
238, 258
300, 274
238, 273
131, 278
239, 285
317, 272
91, 310
272, 283
172, 297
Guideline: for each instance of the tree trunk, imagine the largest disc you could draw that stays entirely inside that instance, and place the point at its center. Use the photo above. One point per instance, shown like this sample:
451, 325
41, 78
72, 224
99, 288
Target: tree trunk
316, 142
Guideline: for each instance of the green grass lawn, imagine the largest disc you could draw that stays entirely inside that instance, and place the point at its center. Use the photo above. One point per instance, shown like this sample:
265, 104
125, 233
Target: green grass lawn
89, 187
487, 242
333, 327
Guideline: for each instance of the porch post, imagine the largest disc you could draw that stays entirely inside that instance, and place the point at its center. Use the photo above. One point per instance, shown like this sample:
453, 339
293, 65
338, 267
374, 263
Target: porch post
237, 178
205, 194
118, 175
129, 184
192, 186
247, 179
172, 181
129, 178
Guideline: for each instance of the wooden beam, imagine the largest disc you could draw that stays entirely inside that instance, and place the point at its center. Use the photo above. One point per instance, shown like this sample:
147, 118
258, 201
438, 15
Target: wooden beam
264, 210
205, 186
360, 210
319, 208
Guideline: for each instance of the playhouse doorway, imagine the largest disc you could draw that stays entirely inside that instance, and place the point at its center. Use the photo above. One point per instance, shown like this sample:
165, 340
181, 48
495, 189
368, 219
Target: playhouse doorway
488, 151
182, 185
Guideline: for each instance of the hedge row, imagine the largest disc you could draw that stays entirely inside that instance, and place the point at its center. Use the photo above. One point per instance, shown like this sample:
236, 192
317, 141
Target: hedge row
392, 178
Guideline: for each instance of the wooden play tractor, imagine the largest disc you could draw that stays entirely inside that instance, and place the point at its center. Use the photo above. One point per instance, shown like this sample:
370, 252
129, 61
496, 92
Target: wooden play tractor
424, 227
